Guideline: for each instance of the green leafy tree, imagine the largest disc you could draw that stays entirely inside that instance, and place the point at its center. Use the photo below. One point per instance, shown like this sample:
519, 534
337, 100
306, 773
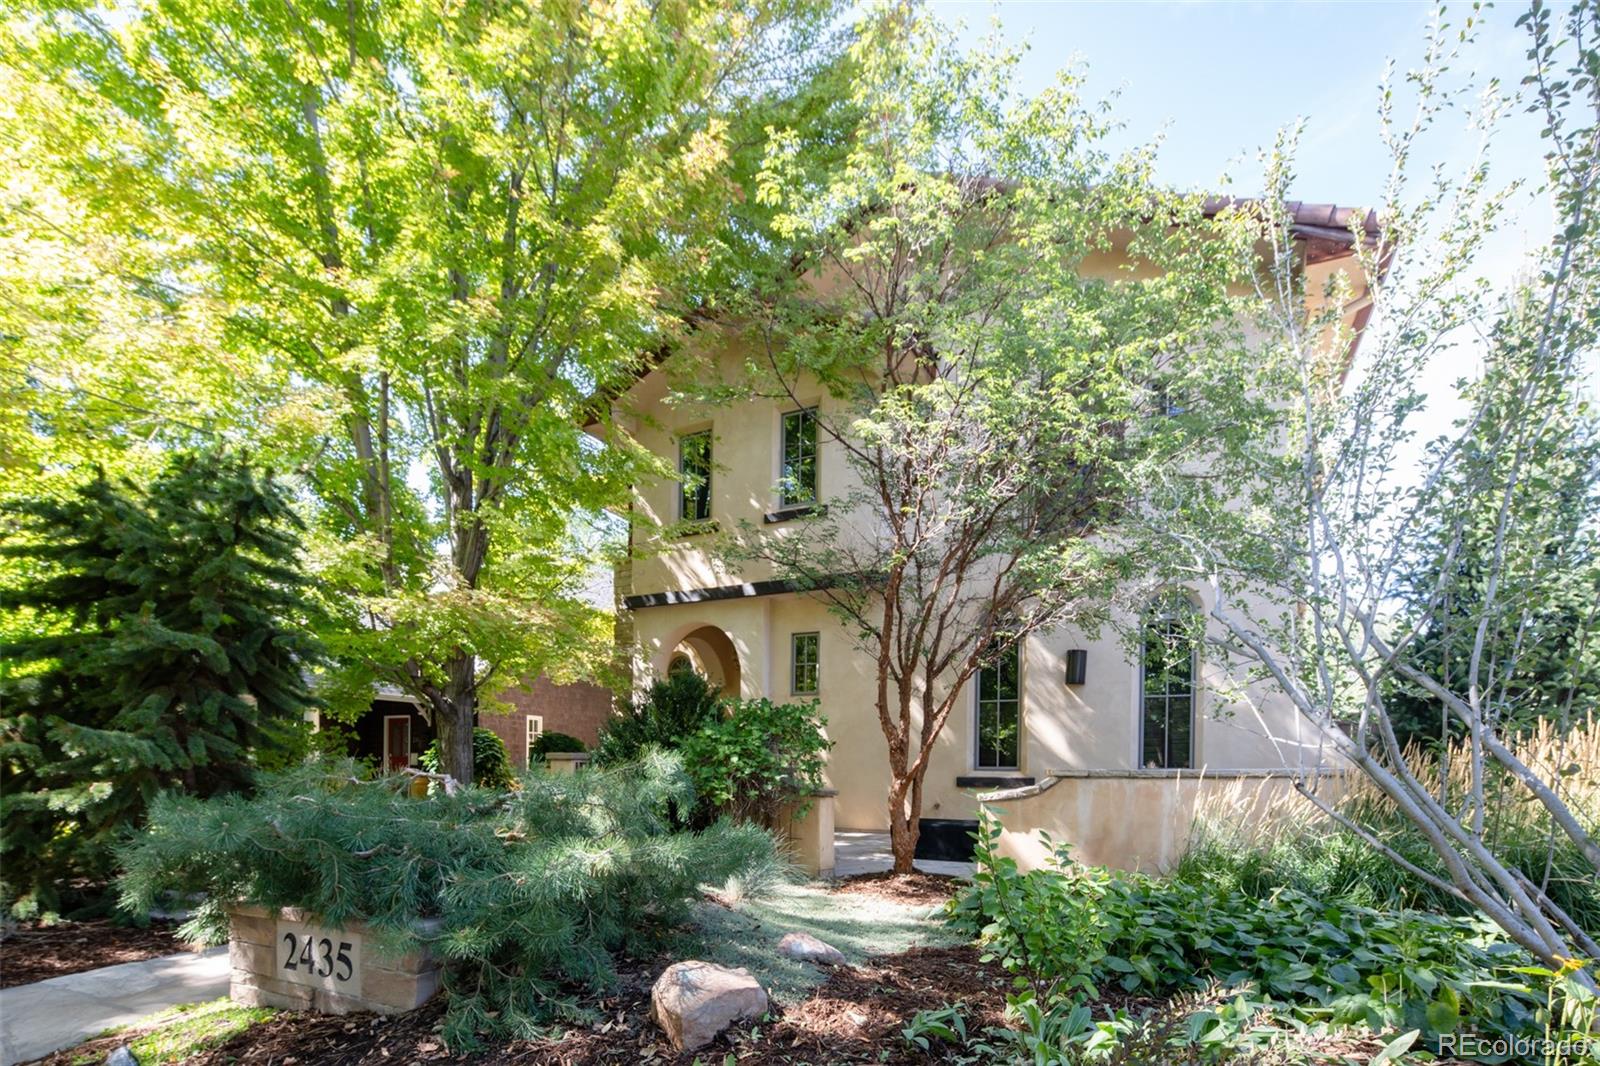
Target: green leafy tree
445, 229
1541, 652
168, 650
1335, 513
991, 301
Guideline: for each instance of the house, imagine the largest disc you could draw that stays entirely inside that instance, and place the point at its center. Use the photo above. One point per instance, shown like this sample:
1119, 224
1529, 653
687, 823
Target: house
1101, 747
394, 733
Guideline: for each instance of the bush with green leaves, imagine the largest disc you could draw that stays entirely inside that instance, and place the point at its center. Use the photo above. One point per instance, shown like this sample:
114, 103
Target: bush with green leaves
491, 766
758, 759
672, 709
1069, 932
546, 743
165, 647
538, 889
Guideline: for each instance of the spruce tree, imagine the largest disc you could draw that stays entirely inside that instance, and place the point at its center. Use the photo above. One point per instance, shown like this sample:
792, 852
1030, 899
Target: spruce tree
165, 650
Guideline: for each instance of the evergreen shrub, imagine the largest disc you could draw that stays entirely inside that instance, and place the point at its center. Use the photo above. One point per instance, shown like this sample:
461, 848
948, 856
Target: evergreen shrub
671, 710
491, 766
164, 645
539, 889
548, 742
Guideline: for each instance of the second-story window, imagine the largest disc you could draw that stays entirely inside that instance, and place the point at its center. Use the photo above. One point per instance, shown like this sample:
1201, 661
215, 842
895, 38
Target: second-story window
804, 659
797, 481
694, 476
999, 707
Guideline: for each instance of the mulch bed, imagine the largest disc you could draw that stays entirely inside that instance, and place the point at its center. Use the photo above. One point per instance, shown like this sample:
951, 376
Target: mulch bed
916, 888
855, 1016
35, 952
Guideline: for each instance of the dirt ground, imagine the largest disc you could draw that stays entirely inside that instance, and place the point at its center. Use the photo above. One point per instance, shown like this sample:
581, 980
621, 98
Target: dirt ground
34, 953
854, 1016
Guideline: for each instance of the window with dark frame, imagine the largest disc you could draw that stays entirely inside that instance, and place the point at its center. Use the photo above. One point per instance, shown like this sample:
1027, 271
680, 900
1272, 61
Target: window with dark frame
1166, 736
797, 481
999, 711
694, 475
805, 659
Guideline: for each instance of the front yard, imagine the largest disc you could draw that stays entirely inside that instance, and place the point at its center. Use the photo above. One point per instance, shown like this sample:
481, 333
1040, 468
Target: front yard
903, 959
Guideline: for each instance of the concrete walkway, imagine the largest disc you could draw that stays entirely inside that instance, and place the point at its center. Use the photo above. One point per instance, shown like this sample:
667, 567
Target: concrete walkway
49, 1015
867, 853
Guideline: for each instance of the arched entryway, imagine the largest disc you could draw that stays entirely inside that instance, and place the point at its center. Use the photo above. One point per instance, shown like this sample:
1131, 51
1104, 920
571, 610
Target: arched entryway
706, 650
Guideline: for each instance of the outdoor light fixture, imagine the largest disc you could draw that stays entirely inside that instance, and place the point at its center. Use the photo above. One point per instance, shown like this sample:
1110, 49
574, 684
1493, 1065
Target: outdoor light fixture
1077, 666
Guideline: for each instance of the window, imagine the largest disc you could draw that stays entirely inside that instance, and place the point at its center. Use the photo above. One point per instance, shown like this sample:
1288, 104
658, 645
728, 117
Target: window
797, 480
535, 727
1166, 738
680, 664
998, 712
804, 650
694, 476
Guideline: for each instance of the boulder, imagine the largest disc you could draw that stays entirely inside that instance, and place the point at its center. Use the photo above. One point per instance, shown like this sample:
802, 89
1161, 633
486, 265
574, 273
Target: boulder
807, 948
122, 1056
694, 1001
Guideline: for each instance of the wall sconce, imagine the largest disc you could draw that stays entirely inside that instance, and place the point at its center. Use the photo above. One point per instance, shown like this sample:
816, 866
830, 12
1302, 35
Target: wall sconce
1077, 666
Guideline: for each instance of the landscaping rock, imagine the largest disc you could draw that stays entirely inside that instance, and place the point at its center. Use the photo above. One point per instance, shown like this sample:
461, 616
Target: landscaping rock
807, 948
123, 1056
694, 1001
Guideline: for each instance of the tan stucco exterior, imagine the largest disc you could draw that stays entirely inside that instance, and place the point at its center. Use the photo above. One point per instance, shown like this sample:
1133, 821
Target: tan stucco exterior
1065, 729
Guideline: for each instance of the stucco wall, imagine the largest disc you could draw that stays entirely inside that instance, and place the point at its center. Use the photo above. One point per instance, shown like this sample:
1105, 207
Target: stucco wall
1094, 726
1141, 819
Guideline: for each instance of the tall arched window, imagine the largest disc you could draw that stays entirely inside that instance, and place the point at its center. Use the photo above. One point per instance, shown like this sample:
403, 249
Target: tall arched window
1167, 688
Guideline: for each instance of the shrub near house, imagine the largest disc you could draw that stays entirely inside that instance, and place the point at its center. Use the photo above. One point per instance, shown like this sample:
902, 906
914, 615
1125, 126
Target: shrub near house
534, 889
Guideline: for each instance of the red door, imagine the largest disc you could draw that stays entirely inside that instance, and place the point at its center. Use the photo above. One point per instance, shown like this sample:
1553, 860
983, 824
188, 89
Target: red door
397, 741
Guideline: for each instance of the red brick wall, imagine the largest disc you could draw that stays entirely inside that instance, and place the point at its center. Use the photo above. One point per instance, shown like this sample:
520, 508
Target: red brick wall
576, 709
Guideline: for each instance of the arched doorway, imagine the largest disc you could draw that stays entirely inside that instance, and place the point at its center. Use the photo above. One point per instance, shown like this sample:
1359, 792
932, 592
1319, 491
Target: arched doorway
709, 652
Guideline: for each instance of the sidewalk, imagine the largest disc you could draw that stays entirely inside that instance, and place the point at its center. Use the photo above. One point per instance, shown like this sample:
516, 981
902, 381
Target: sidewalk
856, 852
49, 1015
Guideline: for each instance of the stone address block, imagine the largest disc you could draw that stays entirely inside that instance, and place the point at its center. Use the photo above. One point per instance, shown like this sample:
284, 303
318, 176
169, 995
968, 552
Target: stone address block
292, 961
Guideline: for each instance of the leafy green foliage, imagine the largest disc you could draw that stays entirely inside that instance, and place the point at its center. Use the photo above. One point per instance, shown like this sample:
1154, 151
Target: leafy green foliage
988, 301
554, 741
537, 889
433, 235
491, 765
167, 649
748, 758
1072, 931
672, 710
758, 758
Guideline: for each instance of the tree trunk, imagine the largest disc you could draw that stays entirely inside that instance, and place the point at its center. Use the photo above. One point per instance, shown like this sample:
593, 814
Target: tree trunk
453, 722
903, 829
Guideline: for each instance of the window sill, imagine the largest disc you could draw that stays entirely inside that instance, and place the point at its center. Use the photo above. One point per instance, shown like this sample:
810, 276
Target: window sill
996, 779
683, 530
799, 510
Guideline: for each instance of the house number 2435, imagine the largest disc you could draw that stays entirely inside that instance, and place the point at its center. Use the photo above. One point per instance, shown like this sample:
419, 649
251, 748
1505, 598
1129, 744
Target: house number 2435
318, 956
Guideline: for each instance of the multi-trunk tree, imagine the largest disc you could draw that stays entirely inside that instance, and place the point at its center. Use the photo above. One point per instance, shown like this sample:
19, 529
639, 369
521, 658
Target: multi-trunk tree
993, 307
1386, 547
448, 227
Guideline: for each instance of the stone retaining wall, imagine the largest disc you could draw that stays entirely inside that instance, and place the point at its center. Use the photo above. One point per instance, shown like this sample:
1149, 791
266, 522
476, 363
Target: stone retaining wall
288, 959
